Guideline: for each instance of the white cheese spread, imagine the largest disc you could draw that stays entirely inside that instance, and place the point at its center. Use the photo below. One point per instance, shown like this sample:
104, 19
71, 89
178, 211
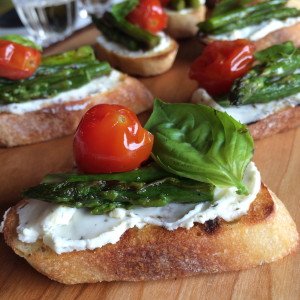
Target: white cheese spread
258, 31
66, 229
248, 113
97, 85
165, 42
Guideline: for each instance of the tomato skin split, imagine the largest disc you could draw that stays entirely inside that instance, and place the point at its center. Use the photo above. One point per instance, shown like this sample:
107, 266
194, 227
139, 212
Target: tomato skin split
17, 61
110, 139
221, 63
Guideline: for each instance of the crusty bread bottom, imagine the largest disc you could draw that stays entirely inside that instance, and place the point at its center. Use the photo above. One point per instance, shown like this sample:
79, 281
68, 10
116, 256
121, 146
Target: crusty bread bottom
57, 120
267, 233
283, 120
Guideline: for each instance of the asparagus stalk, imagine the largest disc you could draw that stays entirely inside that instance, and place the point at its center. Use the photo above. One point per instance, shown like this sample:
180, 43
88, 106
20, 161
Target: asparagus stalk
52, 84
103, 196
264, 89
273, 13
177, 5
214, 23
148, 173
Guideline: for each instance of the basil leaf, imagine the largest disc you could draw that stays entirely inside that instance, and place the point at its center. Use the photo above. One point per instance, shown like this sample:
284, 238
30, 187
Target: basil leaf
276, 52
121, 10
200, 143
21, 40
228, 5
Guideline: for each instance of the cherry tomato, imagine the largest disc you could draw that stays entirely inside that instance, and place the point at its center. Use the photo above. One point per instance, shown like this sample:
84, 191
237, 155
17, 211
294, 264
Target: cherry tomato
17, 61
109, 139
221, 63
149, 15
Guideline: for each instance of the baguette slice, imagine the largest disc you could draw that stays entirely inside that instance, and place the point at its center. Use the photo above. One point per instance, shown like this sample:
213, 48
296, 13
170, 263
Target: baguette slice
291, 33
149, 64
56, 120
280, 121
267, 233
184, 25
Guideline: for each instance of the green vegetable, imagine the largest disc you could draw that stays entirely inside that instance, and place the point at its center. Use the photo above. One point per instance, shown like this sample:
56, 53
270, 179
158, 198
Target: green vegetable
244, 16
228, 5
58, 73
83, 54
275, 77
103, 196
122, 9
177, 5
115, 27
21, 40
198, 142
148, 173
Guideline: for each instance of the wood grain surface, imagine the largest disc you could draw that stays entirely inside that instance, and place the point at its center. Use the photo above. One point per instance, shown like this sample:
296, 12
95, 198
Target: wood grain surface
277, 157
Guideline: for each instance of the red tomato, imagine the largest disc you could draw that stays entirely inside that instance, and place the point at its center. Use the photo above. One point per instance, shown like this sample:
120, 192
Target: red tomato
149, 15
221, 63
109, 139
17, 61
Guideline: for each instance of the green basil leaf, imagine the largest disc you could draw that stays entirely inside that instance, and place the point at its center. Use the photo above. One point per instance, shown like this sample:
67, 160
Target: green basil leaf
276, 52
198, 142
122, 9
21, 40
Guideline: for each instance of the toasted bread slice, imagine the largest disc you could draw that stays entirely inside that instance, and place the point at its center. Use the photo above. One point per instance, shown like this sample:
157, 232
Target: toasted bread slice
142, 64
54, 120
265, 234
291, 33
184, 24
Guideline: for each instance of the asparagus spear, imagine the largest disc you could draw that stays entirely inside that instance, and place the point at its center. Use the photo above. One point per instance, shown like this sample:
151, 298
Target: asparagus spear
117, 36
273, 13
214, 23
103, 196
177, 5
264, 89
51, 84
148, 173
150, 40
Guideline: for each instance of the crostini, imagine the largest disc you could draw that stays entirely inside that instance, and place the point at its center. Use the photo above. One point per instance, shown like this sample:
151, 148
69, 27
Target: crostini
263, 93
265, 23
132, 39
50, 100
183, 17
200, 207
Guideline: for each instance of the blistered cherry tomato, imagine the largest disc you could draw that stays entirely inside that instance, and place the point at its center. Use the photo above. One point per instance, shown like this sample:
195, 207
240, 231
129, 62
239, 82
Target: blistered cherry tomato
17, 61
221, 63
164, 2
109, 139
149, 15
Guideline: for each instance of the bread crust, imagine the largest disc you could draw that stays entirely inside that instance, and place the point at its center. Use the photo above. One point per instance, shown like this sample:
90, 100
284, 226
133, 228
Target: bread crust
57, 120
267, 233
290, 33
139, 65
184, 25
283, 120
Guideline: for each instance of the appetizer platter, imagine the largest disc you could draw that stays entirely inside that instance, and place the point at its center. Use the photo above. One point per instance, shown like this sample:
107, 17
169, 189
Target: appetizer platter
26, 166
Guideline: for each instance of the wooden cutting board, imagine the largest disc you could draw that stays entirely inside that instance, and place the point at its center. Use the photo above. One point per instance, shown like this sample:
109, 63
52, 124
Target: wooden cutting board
277, 157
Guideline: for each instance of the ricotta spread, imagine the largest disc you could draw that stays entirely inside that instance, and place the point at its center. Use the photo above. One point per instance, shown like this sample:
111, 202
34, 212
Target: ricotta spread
248, 113
257, 31
97, 85
65, 229
165, 42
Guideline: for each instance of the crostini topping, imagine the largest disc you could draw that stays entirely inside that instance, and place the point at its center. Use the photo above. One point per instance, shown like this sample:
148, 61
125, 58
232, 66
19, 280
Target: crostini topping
149, 15
220, 64
109, 139
66, 229
243, 16
196, 148
19, 59
56, 74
